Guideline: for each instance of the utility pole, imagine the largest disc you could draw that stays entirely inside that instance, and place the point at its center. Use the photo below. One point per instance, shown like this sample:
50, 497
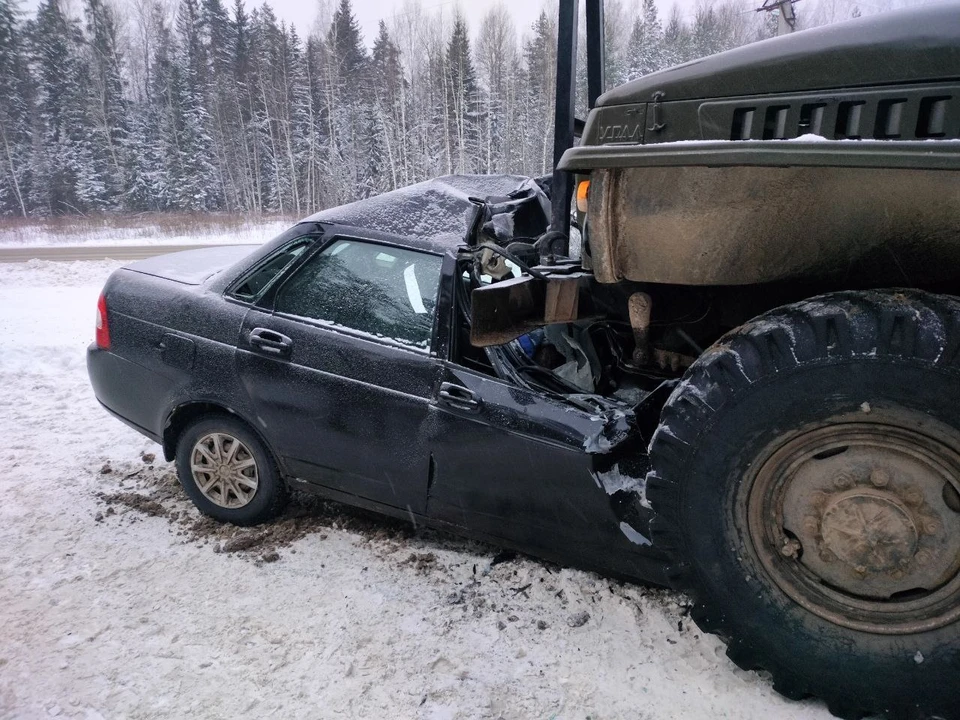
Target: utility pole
564, 123
786, 17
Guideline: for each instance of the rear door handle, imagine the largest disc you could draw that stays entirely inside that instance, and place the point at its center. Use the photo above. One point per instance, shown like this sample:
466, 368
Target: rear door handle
270, 342
459, 397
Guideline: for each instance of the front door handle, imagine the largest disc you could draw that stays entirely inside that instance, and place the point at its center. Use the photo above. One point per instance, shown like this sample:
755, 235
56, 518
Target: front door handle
270, 342
459, 397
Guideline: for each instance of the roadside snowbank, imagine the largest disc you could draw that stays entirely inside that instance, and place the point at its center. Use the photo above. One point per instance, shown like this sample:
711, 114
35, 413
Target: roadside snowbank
114, 603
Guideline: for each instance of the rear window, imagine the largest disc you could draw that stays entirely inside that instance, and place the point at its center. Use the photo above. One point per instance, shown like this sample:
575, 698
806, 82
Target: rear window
261, 277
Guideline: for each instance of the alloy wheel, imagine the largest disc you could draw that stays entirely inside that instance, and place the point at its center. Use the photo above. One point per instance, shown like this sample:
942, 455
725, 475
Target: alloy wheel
224, 470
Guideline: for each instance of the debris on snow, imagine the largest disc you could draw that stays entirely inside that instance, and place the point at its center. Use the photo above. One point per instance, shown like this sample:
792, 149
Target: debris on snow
242, 542
503, 556
423, 563
135, 501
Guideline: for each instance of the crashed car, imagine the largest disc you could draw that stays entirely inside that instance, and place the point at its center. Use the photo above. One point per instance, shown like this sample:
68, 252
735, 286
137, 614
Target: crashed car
337, 359
737, 375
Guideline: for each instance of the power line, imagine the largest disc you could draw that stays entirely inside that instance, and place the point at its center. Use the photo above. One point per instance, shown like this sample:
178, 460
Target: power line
786, 17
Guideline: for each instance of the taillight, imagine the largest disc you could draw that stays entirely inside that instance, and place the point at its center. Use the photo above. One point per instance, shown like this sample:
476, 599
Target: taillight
103, 329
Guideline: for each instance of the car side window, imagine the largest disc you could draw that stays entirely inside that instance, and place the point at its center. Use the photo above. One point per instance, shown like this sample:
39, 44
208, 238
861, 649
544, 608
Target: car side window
385, 291
254, 283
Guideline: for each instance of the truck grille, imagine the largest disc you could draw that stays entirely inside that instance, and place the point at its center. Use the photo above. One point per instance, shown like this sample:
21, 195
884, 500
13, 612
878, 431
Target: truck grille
905, 114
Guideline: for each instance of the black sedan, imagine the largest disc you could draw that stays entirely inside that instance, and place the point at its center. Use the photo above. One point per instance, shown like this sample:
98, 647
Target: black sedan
337, 358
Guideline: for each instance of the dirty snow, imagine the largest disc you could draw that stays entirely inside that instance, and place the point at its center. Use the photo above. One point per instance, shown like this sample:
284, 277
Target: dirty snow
118, 600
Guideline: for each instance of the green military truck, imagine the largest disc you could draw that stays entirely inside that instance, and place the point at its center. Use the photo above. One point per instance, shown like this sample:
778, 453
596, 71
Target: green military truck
777, 229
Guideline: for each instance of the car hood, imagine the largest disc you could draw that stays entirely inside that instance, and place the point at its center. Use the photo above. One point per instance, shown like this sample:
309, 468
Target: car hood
912, 45
192, 267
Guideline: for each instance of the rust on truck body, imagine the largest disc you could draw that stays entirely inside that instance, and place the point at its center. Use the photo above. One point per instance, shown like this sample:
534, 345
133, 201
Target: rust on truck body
702, 214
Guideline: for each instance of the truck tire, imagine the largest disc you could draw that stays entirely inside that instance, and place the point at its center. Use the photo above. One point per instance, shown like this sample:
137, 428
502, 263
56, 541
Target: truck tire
228, 472
806, 480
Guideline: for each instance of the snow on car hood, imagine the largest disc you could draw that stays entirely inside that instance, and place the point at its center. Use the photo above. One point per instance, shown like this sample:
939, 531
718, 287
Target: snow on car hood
192, 267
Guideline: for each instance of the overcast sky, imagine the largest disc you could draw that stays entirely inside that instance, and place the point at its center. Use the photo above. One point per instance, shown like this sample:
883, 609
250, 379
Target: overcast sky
303, 13
370, 12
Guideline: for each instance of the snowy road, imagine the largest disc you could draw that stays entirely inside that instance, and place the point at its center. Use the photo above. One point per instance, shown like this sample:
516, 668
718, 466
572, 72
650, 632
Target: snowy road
93, 252
114, 603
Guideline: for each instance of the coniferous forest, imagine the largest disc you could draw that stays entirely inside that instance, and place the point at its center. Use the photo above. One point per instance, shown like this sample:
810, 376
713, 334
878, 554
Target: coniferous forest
137, 107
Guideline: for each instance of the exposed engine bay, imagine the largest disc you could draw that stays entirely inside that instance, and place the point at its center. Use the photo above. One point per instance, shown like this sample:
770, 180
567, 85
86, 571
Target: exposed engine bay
540, 321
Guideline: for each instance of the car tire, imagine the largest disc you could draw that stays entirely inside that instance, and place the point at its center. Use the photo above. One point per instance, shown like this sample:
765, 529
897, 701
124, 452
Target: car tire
228, 472
797, 478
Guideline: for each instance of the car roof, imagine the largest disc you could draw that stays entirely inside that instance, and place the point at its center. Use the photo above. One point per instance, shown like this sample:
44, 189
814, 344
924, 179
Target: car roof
435, 216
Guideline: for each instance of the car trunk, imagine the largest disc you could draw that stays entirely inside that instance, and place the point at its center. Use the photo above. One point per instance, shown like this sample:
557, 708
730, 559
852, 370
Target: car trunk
191, 267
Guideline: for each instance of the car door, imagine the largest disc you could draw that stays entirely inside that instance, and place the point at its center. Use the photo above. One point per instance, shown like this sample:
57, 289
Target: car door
513, 464
518, 465
338, 367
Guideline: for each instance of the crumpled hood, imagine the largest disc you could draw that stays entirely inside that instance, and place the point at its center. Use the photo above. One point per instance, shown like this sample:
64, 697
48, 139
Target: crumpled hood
442, 211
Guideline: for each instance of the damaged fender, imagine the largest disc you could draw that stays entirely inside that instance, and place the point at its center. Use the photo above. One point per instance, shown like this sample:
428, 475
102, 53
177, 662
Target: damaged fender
621, 462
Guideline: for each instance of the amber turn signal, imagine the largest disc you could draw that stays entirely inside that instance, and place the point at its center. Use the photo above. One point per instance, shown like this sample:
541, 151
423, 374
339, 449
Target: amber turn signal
582, 189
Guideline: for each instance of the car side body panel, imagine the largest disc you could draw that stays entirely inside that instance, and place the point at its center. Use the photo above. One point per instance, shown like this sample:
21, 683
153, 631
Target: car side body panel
112, 376
364, 421
343, 411
174, 343
518, 468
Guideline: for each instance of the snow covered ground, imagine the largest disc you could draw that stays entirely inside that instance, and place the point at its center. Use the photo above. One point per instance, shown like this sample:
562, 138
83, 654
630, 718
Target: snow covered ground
118, 600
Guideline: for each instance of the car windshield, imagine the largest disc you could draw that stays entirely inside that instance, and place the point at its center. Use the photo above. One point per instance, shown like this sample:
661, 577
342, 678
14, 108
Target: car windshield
384, 291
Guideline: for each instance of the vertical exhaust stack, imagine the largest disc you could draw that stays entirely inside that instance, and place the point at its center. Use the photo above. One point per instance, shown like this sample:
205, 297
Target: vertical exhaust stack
566, 123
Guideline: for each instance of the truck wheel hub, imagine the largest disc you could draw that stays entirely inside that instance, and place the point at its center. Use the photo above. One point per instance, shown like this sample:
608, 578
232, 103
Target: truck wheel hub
870, 531
859, 523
